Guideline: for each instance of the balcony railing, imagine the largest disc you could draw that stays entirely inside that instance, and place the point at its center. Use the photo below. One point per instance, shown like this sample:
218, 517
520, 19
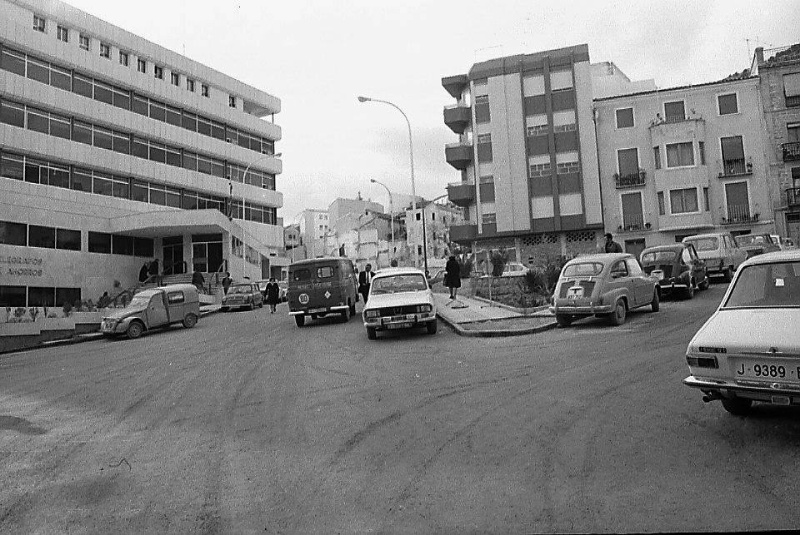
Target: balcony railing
791, 151
738, 214
736, 167
793, 196
632, 222
630, 180
791, 102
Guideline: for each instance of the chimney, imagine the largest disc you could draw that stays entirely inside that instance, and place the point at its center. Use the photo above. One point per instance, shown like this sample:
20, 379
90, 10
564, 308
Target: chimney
760, 55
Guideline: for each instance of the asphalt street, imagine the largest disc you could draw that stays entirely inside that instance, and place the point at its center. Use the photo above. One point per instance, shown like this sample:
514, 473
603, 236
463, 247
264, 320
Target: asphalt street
248, 424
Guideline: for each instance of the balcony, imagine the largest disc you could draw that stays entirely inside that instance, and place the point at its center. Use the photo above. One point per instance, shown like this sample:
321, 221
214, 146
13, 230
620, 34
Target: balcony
463, 233
739, 214
793, 197
461, 193
455, 85
633, 222
459, 155
630, 180
457, 117
791, 151
791, 102
736, 167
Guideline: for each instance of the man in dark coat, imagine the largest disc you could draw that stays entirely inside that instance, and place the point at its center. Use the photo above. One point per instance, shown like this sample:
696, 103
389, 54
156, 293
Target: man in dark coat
272, 294
611, 246
452, 276
143, 273
198, 280
364, 280
226, 282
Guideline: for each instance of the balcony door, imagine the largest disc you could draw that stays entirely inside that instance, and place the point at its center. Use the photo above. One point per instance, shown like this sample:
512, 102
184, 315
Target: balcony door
628, 165
732, 155
738, 202
632, 213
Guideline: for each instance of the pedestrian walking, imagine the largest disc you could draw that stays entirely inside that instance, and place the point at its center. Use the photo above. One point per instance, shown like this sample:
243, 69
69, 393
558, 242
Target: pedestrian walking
452, 276
226, 282
144, 272
198, 279
611, 246
364, 280
272, 294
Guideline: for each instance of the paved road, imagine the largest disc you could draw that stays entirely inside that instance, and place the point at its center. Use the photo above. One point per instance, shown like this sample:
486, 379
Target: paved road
248, 424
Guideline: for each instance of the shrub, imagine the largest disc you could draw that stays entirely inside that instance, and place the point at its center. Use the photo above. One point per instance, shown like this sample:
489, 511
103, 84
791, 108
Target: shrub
67, 308
466, 267
499, 258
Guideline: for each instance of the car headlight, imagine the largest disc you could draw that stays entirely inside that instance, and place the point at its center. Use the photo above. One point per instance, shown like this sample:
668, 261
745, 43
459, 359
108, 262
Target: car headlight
371, 314
423, 308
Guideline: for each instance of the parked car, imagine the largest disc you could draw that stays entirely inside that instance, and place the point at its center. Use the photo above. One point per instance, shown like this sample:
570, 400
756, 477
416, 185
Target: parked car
399, 298
602, 285
719, 251
153, 308
244, 295
515, 269
322, 286
756, 244
749, 350
675, 267
283, 293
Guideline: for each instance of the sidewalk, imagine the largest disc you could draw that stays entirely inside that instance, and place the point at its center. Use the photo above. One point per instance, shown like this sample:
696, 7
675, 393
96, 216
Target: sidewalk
478, 317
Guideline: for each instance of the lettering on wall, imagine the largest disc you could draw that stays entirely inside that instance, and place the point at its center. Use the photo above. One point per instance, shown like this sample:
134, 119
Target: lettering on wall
22, 266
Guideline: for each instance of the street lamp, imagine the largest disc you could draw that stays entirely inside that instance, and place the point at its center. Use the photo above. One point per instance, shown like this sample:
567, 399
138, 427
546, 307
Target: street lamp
391, 210
411, 155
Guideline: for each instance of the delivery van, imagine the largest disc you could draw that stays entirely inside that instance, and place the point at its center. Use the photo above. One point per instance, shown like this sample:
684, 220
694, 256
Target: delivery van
322, 286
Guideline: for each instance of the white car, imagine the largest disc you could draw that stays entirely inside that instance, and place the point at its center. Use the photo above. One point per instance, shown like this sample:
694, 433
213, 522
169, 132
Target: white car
514, 269
399, 298
749, 349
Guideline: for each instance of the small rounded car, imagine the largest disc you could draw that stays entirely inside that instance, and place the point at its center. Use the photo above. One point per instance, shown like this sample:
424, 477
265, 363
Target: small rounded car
603, 285
749, 350
720, 253
245, 295
399, 298
676, 267
154, 308
756, 244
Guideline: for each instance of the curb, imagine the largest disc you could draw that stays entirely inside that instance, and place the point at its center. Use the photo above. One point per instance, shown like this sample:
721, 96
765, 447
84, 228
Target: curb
496, 333
521, 311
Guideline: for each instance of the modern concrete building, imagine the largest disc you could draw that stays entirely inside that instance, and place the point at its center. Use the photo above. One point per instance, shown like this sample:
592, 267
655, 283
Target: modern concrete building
527, 152
115, 151
779, 73
341, 207
314, 224
682, 161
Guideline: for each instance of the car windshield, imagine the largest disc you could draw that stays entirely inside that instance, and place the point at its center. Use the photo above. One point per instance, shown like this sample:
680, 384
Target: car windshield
658, 257
239, 290
140, 300
398, 283
750, 239
583, 269
767, 286
705, 244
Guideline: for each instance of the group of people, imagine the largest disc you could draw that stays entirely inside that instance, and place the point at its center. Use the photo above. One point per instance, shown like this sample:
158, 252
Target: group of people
149, 269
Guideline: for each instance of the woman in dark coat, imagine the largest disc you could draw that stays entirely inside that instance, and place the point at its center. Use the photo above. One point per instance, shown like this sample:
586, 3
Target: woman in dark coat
452, 276
273, 294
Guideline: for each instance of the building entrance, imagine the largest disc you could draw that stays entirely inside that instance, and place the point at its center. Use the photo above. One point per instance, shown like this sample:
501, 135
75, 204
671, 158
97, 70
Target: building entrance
173, 255
207, 252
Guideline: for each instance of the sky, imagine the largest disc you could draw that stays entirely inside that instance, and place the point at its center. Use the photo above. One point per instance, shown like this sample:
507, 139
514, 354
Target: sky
318, 56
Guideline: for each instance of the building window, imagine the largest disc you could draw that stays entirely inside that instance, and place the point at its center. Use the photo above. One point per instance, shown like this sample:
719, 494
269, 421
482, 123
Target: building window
141, 65
625, 118
62, 34
733, 162
628, 165
205, 91
105, 50
485, 148
680, 154
39, 23
190, 84
793, 132
674, 112
232, 101
738, 202
13, 233
123, 58
632, 213
482, 113
727, 104
706, 200
661, 208
84, 41
701, 148
175, 79
158, 72
657, 156
791, 89
683, 201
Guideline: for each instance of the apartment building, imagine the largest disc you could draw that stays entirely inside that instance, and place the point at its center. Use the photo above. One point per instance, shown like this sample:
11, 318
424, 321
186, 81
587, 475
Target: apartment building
682, 161
115, 151
434, 221
314, 233
779, 75
527, 153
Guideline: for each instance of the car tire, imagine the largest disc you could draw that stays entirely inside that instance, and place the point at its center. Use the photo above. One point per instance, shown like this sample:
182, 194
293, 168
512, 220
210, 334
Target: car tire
618, 316
314, 316
703, 285
261, 304
689, 293
352, 309
432, 326
655, 304
190, 321
135, 330
737, 406
223, 309
300, 320
372, 334
346, 315
564, 320
727, 275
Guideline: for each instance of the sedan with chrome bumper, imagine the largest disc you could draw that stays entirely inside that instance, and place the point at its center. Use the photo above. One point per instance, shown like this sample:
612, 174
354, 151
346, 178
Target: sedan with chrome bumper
749, 349
399, 298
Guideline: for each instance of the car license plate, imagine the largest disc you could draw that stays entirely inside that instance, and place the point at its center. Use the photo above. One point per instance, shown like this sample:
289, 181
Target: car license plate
575, 292
769, 370
317, 310
404, 325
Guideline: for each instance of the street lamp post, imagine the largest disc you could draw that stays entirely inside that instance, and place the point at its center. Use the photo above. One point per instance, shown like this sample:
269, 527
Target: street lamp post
411, 155
391, 210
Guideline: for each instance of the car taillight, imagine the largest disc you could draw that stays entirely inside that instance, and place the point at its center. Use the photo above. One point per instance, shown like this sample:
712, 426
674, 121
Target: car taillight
702, 362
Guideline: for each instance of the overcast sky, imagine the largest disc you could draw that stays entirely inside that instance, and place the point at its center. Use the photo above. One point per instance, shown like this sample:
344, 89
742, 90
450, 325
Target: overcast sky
317, 56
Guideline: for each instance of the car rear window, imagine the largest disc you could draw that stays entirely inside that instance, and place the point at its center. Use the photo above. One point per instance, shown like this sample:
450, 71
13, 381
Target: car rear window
705, 244
750, 239
398, 283
658, 257
243, 289
766, 286
301, 275
583, 269
325, 272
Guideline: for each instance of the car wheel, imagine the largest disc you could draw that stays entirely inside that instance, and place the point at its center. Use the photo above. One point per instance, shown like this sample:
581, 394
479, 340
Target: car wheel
728, 274
655, 304
346, 314
690, 290
300, 320
261, 304
564, 320
135, 330
618, 316
371, 333
432, 326
704, 285
190, 321
314, 316
352, 309
737, 406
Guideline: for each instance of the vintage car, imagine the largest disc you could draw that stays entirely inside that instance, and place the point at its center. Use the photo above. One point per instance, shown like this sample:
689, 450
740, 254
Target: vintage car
719, 251
322, 286
676, 267
399, 298
153, 308
515, 269
602, 285
243, 295
756, 244
749, 349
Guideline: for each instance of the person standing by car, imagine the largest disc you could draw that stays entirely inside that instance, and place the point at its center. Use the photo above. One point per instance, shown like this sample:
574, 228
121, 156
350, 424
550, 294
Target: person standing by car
144, 272
226, 282
611, 246
272, 294
452, 276
198, 280
364, 280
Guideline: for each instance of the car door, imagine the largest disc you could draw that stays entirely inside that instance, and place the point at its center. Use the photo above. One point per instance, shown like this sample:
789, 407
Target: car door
157, 311
641, 285
619, 283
